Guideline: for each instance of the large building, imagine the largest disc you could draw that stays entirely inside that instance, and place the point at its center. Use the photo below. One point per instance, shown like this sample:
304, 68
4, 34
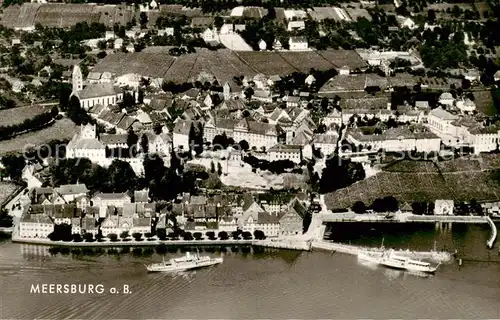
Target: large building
403, 138
94, 93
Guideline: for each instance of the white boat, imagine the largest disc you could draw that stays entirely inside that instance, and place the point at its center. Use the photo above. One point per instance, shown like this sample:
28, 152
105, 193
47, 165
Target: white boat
391, 260
188, 262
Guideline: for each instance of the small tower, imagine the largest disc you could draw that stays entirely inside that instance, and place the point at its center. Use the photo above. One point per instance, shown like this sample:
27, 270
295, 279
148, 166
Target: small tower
77, 78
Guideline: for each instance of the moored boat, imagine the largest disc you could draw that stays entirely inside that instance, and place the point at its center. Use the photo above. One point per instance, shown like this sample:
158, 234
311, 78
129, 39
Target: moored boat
188, 262
391, 260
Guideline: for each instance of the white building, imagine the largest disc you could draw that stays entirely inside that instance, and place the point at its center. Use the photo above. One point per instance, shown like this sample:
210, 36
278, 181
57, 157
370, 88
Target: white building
466, 105
327, 143
35, 226
86, 145
210, 35
181, 132
262, 45
403, 138
285, 152
296, 25
298, 44
446, 99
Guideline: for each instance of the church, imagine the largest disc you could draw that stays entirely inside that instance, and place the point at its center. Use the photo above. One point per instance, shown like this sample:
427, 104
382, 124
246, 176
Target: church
92, 94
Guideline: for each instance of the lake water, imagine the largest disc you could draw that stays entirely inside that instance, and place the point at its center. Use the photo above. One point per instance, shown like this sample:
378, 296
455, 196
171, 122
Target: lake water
269, 284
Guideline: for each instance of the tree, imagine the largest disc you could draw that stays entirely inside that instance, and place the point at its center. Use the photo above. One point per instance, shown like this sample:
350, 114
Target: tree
248, 93
235, 235
188, 236
144, 143
89, 237
132, 139
121, 176
161, 234
124, 235
259, 235
113, 237
466, 84
359, 207
5, 219
210, 235
419, 208
219, 168
431, 16
198, 236
143, 20
212, 167
137, 236
223, 235
14, 165
244, 145
246, 235
77, 237
218, 22
140, 96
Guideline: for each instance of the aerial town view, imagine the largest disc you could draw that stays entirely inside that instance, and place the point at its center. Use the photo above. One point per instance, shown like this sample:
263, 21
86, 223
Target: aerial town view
249, 159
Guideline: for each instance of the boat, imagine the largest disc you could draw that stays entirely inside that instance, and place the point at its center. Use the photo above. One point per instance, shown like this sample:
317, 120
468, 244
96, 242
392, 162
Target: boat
391, 260
188, 262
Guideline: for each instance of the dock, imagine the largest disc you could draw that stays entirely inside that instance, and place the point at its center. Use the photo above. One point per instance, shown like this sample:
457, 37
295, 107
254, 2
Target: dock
436, 256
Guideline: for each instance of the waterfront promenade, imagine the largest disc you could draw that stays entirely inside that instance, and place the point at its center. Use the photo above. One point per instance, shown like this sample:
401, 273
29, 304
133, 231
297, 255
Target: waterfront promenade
287, 243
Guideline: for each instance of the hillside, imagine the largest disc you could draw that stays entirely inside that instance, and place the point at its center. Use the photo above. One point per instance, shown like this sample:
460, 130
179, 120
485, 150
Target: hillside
458, 179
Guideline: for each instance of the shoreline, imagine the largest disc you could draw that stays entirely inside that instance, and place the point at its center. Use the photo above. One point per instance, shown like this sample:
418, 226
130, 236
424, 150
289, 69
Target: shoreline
300, 245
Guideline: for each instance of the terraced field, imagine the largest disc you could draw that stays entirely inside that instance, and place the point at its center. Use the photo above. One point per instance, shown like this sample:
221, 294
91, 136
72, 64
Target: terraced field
459, 179
223, 64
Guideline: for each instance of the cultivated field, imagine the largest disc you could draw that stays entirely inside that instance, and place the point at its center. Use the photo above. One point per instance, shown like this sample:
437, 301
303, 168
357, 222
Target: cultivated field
484, 102
304, 61
60, 130
223, 64
63, 15
146, 64
460, 179
18, 115
268, 63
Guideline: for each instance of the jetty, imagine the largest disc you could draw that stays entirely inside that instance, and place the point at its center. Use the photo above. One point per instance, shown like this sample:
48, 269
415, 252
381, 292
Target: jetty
436, 256
493, 236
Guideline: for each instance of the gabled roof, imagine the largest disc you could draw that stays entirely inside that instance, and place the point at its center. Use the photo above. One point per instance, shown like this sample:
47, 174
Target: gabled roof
70, 189
97, 90
183, 127
112, 196
113, 138
126, 123
141, 196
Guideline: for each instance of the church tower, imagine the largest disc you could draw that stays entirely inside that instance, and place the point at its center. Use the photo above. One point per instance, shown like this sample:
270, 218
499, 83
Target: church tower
77, 79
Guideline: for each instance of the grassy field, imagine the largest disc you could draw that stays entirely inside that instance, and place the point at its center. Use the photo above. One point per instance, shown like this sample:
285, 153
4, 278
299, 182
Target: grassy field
459, 179
6, 188
18, 115
60, 130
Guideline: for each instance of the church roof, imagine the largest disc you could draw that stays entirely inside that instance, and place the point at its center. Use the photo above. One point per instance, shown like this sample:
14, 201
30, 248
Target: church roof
97, 90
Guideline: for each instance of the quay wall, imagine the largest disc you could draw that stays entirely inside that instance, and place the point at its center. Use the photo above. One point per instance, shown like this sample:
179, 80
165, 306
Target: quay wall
284, 244
132, 243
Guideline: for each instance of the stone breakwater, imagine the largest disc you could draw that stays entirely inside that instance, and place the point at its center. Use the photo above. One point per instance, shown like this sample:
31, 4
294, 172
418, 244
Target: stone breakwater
355, 250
